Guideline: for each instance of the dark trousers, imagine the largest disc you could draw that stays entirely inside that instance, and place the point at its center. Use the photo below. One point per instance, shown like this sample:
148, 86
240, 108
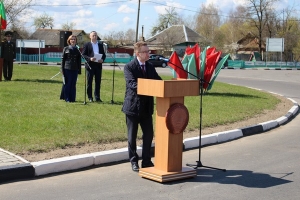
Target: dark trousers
7, 68
132, 129
70, 85
96, 70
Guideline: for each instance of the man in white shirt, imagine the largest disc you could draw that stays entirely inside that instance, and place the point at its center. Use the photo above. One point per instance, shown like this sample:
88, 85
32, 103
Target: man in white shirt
90, 51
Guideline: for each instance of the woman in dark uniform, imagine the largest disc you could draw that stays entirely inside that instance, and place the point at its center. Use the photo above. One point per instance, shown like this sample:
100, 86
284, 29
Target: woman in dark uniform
70, 68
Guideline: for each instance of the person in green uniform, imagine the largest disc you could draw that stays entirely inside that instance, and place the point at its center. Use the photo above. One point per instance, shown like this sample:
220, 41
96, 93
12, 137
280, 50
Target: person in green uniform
8, 53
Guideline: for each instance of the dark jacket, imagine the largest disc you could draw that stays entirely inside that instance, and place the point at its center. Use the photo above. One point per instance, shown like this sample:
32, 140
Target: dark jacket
134, 104
71, 59
8, 50
88, 53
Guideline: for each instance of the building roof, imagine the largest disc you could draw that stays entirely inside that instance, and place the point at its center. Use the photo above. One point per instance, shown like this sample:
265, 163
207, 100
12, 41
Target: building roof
52, 36
249, 43
174, 35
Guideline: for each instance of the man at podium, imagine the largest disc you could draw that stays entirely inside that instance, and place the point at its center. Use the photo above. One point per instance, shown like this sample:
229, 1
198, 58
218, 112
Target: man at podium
139, 109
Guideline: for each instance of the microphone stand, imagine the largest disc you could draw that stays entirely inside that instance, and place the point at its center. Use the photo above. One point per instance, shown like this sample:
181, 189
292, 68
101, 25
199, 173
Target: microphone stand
84, 74
199, 163
55, 75
113, 85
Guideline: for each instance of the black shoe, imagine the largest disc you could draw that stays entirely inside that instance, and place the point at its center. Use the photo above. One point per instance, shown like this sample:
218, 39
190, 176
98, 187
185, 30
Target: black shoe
98, 100
90, 100
147, 164
135, 167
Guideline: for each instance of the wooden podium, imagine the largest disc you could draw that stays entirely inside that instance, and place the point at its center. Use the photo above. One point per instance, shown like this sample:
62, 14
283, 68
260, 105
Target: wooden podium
168, 146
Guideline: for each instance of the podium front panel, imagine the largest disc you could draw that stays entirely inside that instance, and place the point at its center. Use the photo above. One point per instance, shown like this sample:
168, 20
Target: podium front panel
168, 146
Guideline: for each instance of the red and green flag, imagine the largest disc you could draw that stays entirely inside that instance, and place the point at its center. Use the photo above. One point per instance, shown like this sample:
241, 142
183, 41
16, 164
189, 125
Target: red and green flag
175, 63
2, 16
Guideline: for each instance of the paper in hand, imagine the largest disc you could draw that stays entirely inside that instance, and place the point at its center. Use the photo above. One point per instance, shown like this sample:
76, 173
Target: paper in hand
97, 56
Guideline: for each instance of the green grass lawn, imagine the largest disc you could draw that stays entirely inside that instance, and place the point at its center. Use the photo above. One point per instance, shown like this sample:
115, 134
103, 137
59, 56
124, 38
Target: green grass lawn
34, 119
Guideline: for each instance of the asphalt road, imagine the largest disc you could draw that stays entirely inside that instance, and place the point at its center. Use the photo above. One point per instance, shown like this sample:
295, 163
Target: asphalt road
263, 166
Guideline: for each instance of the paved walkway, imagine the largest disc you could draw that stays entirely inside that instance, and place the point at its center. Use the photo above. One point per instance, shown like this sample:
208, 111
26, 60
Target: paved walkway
7, 159
14, 167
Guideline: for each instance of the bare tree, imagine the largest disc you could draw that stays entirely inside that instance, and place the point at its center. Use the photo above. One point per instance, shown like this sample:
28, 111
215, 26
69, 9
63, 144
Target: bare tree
21, 30
273, 23
258, 11
43, 21
208, 21
236, 24
110, 39
15, 9
165, 21
189, 21
130, 36
233, 29
68, 26
120, 37
291, 33
296, 52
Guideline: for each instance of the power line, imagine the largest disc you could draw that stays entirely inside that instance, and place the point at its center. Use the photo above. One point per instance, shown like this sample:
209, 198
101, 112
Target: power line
75, 5
226, 16
154, 2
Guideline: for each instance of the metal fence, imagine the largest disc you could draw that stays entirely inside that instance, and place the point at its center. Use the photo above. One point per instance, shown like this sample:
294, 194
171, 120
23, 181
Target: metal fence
262, 64
56, 57
30, 57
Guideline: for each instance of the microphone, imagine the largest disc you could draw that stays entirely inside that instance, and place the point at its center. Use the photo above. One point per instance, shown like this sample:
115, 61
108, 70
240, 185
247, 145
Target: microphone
83, 57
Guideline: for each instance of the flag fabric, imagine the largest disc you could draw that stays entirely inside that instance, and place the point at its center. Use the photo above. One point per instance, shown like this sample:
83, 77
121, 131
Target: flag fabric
189, 63
206, 64
210, 50
196, 51
217, 70
175, 63
211, 63
203, 63
2, 16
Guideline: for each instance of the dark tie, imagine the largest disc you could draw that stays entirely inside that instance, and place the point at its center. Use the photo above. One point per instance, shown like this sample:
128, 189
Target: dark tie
143, 70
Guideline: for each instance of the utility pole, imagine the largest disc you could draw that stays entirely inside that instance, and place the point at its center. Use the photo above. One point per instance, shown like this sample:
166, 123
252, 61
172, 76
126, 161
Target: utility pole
137, 23
142, 38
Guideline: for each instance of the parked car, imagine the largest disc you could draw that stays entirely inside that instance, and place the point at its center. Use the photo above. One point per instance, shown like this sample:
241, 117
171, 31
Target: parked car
154, 59
225, 64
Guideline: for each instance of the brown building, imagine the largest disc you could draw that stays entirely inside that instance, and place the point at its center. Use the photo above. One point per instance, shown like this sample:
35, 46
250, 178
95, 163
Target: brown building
57, 37
248, 48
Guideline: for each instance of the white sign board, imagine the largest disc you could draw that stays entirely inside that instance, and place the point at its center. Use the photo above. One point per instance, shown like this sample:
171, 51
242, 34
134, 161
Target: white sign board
31, 43
275, 44
249, 63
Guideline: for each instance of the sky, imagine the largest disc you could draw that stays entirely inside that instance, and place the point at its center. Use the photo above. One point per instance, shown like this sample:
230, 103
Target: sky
108, 16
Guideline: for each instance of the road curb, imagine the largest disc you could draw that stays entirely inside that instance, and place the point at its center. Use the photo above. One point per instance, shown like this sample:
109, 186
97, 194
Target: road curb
19, 171
29, 170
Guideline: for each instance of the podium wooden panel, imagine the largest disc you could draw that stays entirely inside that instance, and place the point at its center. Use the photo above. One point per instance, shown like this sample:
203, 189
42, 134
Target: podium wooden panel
168, 146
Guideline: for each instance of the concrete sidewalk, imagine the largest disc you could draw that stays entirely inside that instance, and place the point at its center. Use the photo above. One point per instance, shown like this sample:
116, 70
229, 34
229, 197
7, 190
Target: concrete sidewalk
14, 167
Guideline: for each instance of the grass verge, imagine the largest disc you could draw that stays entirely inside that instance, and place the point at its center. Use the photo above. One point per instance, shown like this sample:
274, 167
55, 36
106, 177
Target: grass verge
33, 119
